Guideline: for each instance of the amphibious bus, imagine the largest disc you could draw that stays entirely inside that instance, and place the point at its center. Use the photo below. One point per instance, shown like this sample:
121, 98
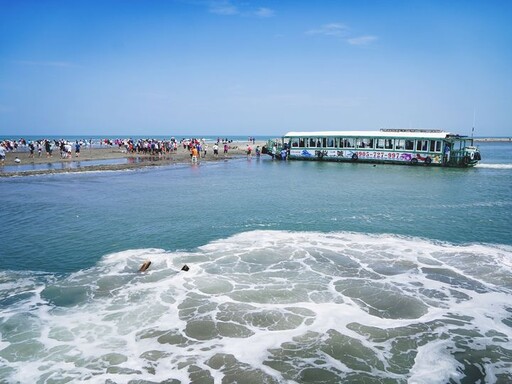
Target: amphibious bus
395, 146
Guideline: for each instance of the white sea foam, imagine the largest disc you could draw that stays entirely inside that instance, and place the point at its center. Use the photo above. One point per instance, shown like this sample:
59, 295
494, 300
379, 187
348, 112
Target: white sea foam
494, 166
271, 306
435, 364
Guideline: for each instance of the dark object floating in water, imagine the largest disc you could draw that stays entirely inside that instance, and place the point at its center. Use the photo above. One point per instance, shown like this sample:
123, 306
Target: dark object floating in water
145, 266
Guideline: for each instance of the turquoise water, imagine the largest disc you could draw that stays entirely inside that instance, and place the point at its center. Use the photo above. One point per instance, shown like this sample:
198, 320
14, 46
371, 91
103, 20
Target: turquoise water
330, 272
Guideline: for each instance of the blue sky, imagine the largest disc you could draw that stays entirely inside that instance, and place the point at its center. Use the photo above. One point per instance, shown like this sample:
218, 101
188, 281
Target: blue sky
207, 67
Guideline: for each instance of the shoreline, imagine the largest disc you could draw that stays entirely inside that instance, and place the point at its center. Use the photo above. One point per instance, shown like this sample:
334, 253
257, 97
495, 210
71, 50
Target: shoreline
133, 160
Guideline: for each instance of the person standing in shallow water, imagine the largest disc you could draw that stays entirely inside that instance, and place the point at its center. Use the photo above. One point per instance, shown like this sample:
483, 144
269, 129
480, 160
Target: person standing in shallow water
77, 149
194, 152
48, 148
32, 147
2, 153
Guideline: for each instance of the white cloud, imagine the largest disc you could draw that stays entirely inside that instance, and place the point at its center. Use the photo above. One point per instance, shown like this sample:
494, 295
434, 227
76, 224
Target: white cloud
343, 32
362, 40
265, 12
227, 8
224, 8
332, 29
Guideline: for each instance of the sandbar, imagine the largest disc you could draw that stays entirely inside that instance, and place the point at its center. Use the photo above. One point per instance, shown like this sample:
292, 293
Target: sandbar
57, 164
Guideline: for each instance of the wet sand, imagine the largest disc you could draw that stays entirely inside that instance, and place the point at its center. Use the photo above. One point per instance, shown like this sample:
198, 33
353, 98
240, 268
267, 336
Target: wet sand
134, 160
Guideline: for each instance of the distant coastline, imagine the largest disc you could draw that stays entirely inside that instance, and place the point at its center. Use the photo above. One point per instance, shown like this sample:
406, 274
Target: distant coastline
211, 138
491, 139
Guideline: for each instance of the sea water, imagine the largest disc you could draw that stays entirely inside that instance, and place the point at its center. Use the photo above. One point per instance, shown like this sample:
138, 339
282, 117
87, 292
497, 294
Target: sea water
300, 272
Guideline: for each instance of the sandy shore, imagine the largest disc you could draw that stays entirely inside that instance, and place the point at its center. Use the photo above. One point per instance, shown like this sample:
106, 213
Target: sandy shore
134, 160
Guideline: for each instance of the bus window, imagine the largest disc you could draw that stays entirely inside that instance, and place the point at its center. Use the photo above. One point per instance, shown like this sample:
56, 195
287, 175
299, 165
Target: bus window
337, 142
348, 143
301, 142
294, 143
312, 142
330, 142
388, 143
432, 147
365, 143
421, 145
318, 143
409, 145
399, 144
379, 144
438, 146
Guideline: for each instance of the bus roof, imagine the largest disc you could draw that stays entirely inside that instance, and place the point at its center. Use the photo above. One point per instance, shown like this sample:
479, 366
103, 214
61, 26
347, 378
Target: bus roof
402, 133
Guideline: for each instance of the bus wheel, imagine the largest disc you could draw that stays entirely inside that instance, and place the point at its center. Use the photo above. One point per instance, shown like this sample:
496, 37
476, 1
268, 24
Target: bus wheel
428, 160
414, 161
354, 157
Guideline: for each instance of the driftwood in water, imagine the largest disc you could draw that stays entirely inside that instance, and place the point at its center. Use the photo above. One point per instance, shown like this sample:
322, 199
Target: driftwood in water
145, 266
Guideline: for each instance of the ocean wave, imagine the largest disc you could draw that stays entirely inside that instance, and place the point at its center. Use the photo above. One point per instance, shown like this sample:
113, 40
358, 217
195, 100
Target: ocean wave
269, 306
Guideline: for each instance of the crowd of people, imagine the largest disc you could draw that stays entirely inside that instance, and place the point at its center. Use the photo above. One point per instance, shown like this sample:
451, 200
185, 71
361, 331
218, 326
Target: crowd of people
198, 148
42, 145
